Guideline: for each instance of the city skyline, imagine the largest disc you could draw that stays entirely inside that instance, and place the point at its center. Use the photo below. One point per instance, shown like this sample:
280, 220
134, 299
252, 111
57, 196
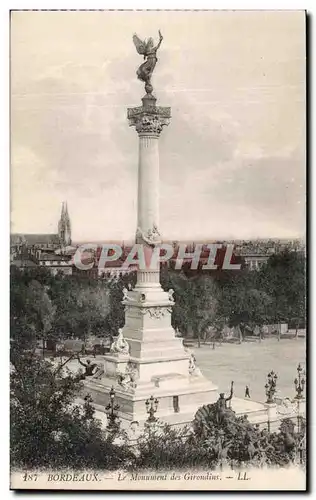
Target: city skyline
232, 159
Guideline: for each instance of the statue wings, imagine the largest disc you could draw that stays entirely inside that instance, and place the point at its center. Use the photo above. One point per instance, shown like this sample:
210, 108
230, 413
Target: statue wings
141, 46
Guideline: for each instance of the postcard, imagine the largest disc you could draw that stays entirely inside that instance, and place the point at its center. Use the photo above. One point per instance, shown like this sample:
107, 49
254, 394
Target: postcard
157, 253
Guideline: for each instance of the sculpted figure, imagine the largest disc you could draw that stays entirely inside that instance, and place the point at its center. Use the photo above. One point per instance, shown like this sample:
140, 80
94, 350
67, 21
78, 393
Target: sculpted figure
128, 379
147, 49
123, 380
89, 368
142, 297
193, 369
151, 236
192, 365
120, 345
222, 411
98, 372
286, 407
125, 294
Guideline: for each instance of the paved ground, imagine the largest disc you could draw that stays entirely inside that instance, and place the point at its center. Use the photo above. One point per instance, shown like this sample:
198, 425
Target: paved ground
249, 363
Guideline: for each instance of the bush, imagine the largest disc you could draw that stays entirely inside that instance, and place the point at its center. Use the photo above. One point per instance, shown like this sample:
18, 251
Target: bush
168, 448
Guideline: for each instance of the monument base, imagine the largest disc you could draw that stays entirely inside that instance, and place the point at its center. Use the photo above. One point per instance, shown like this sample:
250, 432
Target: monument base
178, 396
147, 359
179, 401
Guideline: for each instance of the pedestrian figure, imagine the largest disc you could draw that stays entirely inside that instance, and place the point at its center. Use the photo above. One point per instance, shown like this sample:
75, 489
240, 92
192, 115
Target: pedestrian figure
247, 392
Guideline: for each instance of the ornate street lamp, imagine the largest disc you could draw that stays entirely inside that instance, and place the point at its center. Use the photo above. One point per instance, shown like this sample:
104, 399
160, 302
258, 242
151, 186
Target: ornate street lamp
111, 410
299, 382
270, 386
151, 408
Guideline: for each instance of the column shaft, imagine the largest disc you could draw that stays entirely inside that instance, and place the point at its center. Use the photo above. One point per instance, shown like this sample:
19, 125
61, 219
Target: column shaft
148, 183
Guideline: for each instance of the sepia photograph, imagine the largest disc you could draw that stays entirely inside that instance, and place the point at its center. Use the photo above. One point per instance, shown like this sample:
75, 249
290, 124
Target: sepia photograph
158, 322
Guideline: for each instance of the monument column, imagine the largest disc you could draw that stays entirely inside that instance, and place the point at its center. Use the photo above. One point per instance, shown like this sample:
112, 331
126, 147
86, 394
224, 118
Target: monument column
147, 358
148, 120
148, 182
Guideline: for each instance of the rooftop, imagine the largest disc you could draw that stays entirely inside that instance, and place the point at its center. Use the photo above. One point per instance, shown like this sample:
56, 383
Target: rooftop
34, 239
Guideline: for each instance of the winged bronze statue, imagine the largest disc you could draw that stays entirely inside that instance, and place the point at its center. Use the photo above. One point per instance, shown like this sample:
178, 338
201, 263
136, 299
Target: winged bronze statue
147, 49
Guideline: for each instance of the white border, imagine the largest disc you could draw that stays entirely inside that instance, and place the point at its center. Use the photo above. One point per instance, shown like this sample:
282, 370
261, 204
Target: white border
4, 166
161, 5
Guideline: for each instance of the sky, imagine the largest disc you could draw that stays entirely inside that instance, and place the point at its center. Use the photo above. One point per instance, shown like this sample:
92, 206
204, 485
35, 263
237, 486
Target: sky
232, 160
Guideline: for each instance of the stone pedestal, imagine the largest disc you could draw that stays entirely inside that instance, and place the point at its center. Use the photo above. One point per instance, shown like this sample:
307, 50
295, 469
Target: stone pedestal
157, 364
115, 365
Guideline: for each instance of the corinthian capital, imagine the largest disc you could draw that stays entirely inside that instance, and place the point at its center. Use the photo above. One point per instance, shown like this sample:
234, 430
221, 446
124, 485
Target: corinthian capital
149, 120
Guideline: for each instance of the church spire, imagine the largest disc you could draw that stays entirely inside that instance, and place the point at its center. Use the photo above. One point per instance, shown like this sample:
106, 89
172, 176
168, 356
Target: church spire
64, 226
62, 210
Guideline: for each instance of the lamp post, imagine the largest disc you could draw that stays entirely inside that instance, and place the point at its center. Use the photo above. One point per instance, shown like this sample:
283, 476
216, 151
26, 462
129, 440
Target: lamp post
151, 408
270, 386
111, 411
299, 384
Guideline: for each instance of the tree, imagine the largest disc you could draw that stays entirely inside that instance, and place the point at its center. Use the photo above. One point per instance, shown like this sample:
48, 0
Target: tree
177, 281
283, 278
20, 327
56, 307
41, 309
195, 307
93, 307
47, 429
32, 311
243, 304
116, 317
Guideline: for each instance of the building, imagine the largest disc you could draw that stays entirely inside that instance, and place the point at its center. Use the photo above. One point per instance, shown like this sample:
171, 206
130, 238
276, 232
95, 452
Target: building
50, 241
56, 263
52, 250
254, 262
108, 270
255, 253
